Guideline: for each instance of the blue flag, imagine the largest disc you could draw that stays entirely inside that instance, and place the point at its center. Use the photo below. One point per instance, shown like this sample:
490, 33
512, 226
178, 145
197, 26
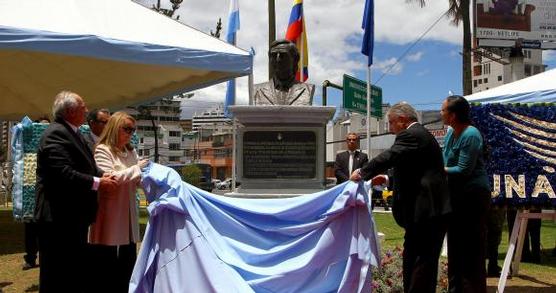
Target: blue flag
233, 27
368, 26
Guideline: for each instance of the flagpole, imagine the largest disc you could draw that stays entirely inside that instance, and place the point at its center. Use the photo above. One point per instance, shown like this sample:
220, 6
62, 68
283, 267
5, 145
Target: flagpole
234, 149
369, 112
301, 61
250, 87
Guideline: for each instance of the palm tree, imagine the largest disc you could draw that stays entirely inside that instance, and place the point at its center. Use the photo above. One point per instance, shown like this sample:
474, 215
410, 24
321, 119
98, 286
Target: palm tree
459, 12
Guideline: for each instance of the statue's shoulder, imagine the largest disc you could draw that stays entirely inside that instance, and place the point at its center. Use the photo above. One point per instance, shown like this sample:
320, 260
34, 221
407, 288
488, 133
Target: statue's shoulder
304, 85
262, 85
309, 88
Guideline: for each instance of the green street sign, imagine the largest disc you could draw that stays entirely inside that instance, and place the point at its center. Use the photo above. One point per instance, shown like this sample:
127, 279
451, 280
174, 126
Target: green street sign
355, 97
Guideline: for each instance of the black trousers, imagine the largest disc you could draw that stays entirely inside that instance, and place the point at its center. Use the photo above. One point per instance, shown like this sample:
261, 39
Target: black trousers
422, 245
466, 243
113, 265
31, 242
64, 258
495, 223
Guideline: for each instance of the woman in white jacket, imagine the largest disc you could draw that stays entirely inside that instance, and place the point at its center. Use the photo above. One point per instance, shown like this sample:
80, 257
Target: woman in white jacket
116, 230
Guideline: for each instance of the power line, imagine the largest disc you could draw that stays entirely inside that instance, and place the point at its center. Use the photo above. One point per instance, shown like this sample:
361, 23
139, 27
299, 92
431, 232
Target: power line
410, 47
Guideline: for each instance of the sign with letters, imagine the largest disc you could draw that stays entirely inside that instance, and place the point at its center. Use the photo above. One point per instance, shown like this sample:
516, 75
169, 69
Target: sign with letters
355, 97
521, 152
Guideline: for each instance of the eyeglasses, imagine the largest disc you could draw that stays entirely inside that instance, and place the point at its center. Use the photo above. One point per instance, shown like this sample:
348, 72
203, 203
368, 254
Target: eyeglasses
128, 130
351, 139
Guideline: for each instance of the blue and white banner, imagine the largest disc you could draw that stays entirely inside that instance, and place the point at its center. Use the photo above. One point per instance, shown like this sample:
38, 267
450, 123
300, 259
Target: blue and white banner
196, 241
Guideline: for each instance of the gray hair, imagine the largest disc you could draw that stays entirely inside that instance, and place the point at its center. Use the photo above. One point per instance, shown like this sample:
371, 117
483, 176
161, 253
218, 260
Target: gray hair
403, 109
63, 102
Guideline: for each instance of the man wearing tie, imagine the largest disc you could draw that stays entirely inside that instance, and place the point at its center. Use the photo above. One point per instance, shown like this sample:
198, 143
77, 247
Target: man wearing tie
350, 160
66, 204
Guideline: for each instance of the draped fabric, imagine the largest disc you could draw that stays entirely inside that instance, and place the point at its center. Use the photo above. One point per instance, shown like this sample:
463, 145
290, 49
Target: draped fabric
196, 241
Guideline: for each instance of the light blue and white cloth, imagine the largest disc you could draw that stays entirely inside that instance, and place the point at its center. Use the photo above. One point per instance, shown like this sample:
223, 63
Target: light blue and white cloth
196, 241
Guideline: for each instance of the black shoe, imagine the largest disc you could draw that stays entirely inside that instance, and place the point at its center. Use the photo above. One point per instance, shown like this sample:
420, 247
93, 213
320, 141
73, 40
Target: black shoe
494, 271
531, 258
28, 266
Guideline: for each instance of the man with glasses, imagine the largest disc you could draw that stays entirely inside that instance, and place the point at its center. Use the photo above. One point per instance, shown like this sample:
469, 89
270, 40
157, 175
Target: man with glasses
96, 119
350, 160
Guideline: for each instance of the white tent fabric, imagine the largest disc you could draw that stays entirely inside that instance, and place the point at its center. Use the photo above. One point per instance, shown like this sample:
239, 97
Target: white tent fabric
112, 52
538, 88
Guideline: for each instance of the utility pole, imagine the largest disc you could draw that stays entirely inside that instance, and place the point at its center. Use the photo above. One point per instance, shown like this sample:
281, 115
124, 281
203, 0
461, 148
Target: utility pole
271, 30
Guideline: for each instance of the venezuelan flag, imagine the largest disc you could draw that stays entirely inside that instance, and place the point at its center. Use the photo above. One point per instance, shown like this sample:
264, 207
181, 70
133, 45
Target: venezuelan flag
296, 33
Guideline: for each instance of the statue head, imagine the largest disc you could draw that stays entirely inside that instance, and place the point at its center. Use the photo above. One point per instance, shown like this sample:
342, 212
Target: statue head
284, 58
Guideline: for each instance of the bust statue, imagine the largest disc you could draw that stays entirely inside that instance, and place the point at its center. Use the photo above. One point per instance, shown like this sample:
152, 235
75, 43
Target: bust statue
283, 88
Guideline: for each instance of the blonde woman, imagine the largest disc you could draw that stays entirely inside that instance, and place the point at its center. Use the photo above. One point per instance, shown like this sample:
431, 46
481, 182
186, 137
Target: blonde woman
116, 229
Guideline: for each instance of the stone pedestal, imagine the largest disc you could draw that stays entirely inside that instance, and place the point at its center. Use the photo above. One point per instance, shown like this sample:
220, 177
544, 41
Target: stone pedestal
280, 150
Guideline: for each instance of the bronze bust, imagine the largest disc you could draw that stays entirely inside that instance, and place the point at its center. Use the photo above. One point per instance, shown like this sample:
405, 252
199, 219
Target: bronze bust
283, 88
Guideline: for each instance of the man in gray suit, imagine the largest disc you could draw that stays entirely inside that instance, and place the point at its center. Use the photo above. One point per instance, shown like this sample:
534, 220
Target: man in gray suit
283, 88
97, 119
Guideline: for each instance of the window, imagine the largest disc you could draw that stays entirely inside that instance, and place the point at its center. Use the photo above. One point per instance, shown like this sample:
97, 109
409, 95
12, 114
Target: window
141, 140
174, 159
174, 146
486, 68
175, 133
140, 152
480, 81
477, 70
146, 152
485, 80
499, 77
475, 83
527, 70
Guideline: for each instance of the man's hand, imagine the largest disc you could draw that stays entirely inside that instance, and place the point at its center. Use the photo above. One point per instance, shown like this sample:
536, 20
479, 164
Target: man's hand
143, 163
107, 183
355, 176
379, 180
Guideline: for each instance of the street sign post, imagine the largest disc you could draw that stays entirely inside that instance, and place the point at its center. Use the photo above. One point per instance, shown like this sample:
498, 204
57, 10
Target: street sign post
355, 97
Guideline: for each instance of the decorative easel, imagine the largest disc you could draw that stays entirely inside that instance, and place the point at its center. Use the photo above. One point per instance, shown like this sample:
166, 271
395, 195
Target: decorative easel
518, 235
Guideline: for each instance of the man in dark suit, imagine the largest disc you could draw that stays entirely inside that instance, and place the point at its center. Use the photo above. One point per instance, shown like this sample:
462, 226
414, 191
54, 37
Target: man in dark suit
421, 196
350, 160
67, 184
96, 119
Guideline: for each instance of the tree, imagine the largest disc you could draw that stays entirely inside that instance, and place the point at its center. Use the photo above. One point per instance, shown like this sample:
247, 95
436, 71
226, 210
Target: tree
218, 29
168, 12
191, 174
459, 12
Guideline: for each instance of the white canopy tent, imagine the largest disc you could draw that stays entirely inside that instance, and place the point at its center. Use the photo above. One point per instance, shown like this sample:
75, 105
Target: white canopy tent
113, 53
538, 88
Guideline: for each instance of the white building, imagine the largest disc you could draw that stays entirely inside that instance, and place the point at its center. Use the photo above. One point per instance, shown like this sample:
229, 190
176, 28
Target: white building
212, 119
492, 68
166, 115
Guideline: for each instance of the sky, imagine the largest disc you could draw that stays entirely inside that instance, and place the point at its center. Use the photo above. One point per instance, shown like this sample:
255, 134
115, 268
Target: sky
424, 77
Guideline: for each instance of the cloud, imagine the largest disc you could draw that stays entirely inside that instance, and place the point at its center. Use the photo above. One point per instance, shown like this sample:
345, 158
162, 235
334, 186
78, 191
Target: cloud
333, 30
389, 66
415, 57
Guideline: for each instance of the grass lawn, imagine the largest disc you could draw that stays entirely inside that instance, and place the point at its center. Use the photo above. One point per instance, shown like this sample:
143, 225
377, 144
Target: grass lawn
533, 278
539, 278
